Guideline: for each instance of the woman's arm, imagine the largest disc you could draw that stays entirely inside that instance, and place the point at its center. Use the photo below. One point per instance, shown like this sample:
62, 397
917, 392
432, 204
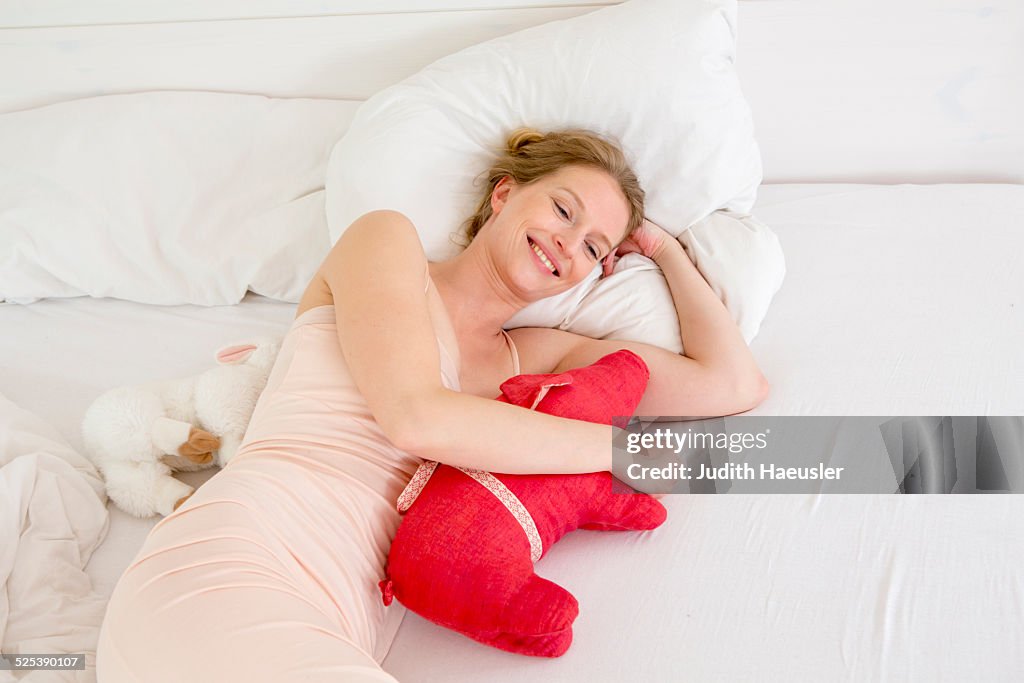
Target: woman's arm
375, 273
717, 374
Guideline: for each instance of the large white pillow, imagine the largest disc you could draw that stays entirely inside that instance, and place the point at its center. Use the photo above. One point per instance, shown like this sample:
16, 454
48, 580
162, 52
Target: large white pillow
165, 197
657, 75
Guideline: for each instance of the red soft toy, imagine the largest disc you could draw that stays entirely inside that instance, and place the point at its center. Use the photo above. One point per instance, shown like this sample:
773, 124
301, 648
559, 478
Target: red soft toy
463, 556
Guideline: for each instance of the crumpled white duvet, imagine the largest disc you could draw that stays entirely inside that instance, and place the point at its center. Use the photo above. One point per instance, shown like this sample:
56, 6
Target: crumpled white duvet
53, 515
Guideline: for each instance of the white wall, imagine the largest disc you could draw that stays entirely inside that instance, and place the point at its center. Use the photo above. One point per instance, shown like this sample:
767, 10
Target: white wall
54, 50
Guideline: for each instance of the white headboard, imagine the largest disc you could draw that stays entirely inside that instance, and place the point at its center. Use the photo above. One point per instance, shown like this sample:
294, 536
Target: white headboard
885, 91
54, 50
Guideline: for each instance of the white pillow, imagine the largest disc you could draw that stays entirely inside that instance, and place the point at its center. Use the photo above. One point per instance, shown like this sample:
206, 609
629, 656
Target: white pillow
657, 75
165, 197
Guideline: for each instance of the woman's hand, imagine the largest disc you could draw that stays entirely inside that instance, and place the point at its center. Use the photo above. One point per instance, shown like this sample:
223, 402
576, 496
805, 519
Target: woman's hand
647, 239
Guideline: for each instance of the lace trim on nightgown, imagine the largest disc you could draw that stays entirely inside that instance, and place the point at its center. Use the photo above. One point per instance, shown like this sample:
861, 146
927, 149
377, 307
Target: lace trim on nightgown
489, 482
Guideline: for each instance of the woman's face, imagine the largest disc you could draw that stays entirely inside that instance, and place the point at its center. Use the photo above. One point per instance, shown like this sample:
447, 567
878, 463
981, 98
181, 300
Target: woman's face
554, 231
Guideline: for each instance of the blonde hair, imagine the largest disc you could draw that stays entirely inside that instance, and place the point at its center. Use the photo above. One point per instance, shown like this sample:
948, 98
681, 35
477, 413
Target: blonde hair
530, 155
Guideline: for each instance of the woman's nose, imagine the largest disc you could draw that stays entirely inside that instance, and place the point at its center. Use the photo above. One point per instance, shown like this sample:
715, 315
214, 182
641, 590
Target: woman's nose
565, 243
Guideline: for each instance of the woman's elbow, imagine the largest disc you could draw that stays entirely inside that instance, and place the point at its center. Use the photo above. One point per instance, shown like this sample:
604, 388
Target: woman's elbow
416, 429
410, 437
740, 394
753, 392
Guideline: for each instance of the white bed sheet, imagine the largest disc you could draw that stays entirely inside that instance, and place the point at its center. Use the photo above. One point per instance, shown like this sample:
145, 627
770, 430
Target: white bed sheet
898, 301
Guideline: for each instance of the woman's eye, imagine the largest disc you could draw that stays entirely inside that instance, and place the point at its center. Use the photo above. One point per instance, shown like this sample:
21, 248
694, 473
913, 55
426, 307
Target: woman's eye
561, 210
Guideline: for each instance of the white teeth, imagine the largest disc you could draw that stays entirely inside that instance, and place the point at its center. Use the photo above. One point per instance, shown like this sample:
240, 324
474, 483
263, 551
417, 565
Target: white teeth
540, 252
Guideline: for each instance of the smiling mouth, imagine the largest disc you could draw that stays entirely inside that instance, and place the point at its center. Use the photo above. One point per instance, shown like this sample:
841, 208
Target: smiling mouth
543, 257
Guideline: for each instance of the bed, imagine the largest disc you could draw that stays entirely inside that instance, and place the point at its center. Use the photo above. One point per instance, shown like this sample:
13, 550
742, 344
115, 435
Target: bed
902, 297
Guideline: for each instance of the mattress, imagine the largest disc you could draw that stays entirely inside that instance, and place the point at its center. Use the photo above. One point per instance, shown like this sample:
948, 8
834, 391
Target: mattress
899, 300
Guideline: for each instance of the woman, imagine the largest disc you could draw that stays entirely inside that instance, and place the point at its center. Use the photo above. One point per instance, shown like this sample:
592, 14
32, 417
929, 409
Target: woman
269, 572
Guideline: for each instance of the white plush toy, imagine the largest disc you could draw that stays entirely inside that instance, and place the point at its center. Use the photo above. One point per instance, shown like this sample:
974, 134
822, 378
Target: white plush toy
138, 435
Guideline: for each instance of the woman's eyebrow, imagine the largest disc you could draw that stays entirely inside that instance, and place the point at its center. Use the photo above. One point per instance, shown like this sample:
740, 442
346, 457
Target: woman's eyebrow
583, 208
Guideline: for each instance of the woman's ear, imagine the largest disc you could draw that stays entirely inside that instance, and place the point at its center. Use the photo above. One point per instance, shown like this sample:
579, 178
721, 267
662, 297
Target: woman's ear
499, 196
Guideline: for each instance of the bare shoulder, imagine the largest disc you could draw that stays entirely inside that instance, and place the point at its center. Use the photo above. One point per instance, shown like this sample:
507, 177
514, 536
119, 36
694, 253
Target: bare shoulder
381, 226
544, 350
381, 231
541, 349
384, 240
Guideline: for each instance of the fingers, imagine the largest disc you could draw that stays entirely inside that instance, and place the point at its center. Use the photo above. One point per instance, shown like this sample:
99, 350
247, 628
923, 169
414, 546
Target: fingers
608, 264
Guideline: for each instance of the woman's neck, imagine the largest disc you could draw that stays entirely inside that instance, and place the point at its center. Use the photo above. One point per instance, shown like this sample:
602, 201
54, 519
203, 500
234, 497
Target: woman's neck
477, 301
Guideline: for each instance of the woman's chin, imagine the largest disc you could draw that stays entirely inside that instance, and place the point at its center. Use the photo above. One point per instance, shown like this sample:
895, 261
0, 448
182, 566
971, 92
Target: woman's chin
538, 293
533, 285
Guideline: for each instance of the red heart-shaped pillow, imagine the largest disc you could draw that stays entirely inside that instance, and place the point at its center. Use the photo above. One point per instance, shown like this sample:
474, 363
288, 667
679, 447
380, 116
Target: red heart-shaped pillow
463, 556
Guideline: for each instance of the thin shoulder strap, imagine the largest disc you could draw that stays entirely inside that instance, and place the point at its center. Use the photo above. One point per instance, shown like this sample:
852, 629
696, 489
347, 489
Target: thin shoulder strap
514, 350
426, 278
